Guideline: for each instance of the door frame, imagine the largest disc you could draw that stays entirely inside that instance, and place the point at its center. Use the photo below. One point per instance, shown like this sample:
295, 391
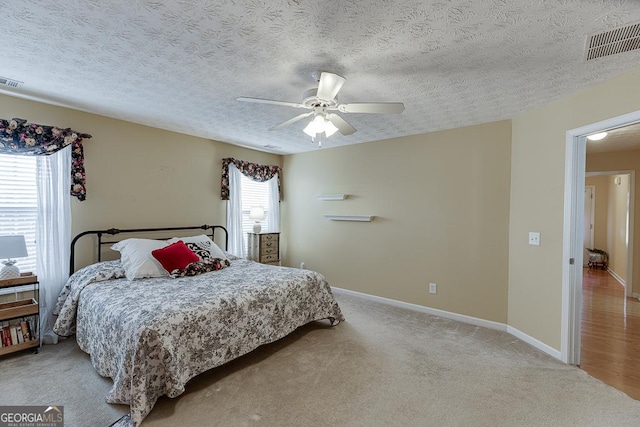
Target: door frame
575, 171
593, 215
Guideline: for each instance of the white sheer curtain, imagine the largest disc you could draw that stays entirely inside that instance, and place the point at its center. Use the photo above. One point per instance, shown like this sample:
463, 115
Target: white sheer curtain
53, 234
234, 212
273, 222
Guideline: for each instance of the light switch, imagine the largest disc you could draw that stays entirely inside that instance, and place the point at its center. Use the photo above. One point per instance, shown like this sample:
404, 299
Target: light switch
534, 238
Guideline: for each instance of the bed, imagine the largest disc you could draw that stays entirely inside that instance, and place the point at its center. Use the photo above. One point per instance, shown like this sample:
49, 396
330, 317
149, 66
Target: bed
152, 335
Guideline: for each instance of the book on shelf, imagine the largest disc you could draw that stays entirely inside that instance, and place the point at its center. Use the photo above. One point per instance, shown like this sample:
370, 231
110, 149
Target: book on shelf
6, 334
33, 326
24, 327
18, 331
19, 335
14, 337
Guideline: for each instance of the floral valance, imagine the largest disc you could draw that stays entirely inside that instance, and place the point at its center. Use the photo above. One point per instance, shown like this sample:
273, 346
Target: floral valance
29, 139
254, 171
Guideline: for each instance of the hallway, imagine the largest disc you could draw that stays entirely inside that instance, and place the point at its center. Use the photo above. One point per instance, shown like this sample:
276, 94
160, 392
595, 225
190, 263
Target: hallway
610, 332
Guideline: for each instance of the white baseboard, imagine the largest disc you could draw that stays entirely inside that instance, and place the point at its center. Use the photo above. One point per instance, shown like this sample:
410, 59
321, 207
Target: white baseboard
459, 317
534, 342
636, 295
618, 278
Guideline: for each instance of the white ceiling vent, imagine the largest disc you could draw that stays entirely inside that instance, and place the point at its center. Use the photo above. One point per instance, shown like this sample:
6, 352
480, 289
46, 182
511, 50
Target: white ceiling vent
623, 39
8, 82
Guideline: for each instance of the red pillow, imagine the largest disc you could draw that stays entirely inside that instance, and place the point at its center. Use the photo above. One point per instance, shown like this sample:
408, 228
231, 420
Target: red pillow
175, 256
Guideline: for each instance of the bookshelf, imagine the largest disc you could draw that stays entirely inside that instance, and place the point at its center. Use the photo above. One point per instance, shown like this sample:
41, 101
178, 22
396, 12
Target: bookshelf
19, 319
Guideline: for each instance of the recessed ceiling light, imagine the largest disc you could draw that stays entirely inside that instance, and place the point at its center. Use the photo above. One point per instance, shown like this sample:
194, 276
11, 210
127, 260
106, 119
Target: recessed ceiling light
597, 136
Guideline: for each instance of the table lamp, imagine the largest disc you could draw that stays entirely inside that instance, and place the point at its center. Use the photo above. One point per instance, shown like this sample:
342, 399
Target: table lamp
11, 247
257, 213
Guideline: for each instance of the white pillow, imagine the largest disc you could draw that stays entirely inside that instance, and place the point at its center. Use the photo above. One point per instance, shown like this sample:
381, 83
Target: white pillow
137, 260
202, 245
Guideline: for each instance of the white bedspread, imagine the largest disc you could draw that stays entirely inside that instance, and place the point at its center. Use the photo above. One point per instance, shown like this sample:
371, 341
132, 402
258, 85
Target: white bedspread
152, 335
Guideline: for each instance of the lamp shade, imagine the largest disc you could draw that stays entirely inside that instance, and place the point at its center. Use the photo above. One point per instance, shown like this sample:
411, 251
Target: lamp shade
13, 247
257, 213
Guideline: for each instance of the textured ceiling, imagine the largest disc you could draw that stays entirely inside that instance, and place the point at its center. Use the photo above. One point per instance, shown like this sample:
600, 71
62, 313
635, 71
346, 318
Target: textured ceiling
179, 65
622, 139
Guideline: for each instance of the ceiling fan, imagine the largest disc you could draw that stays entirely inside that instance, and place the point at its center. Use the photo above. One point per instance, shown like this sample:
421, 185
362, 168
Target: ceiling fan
323, 101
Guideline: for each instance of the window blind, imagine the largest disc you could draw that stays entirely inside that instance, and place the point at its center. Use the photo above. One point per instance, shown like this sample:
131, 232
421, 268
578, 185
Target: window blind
18, 203
253, 194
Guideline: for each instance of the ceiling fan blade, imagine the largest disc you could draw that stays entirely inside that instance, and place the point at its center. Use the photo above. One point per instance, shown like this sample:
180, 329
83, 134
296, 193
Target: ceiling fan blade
329, 85
343, 126
293, 120
372, 107
270, 101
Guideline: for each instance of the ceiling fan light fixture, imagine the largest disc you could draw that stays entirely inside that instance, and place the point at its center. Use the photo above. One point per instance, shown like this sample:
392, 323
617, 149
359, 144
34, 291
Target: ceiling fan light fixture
597, 136
320, 124
313, 127
329, 128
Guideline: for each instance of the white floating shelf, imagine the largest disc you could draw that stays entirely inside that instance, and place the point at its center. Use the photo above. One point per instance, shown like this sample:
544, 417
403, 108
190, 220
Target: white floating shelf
326, 197
361, 218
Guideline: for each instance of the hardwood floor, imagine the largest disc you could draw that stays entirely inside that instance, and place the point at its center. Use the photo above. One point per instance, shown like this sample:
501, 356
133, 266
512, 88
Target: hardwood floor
610, 333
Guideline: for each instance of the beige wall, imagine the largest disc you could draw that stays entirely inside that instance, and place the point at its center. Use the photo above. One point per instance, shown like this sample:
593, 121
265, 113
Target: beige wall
601, 184
441, 202
617, 161
537, 200
139, 176
619, 195
617, 230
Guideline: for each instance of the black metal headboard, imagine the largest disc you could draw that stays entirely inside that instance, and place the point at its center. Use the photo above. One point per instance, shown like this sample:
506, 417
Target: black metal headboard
114, 231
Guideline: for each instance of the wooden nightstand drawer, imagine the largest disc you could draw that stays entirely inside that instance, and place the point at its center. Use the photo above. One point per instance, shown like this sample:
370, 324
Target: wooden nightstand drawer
269, 258
269, 245
269, 251
269, 237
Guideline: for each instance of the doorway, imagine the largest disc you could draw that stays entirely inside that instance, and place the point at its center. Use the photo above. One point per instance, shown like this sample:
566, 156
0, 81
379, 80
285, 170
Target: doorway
608, 221
573, 231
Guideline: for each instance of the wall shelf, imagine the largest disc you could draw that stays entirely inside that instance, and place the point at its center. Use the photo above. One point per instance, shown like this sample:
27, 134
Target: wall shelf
360, 218
327, 197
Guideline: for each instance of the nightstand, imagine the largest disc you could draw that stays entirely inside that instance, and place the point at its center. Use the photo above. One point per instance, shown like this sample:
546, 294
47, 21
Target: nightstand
264, 248
19, 320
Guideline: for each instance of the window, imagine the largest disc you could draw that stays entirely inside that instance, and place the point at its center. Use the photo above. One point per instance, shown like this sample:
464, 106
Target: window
19, 203
253, 194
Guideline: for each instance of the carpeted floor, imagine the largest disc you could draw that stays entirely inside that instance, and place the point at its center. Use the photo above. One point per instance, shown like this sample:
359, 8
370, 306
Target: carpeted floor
384, 366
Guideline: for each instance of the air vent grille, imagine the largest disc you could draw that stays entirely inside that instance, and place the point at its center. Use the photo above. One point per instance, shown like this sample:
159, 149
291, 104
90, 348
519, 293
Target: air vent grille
623, 39
9, 82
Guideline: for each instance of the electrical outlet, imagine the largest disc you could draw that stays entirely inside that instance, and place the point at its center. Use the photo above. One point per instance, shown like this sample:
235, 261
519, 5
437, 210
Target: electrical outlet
302, 265
432, 288
534, 238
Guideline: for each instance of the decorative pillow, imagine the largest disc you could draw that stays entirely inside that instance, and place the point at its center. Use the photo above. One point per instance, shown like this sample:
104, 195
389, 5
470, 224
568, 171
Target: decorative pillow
201, 267
230, 256
137, 260
202, 246
176, 256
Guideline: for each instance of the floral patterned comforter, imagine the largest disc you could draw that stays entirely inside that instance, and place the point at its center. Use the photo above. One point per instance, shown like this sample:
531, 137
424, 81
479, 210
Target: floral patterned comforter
152, 335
